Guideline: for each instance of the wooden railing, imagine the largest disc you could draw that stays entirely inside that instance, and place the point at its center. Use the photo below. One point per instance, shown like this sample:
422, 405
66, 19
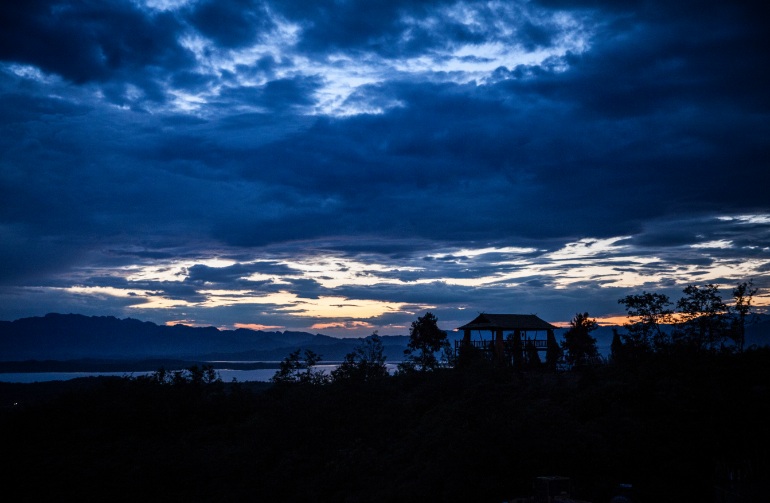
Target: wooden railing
540, 344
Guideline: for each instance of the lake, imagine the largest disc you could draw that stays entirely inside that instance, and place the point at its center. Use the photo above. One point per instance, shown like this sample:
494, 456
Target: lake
227, 375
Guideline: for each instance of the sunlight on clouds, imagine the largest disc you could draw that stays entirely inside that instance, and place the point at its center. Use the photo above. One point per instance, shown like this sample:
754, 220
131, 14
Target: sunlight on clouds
342, 77
277, 44
172, 271
221, 298
575, 34
258, 277
470, 252
616, 320
32, 73
604, 275
164, 5
291, 303
186, 102
466, 63
153, 302
149, 300
343, 74
322, 307
345, 325
737, 270
588, 248
332, 272
747, 219
475, 63
463, 63
720, 243
257, 326
26, 72
105, 291
188, 323
341, 307
761, 300
576, 262
598, 263
563, 274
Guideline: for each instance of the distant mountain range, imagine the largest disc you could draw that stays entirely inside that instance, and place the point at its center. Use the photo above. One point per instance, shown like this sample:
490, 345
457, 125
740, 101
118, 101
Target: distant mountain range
74, 337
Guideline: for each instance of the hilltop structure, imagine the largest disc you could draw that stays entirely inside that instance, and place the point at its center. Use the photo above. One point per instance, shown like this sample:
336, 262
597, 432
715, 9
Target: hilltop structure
523, 331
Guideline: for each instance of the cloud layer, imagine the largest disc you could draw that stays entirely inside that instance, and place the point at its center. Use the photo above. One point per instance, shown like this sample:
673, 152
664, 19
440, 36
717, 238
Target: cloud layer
351, 164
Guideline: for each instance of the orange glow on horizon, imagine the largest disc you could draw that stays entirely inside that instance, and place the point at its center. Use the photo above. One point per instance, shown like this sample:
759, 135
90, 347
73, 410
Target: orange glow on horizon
187, 323
619, 320
603, 321
258, 326
344, 325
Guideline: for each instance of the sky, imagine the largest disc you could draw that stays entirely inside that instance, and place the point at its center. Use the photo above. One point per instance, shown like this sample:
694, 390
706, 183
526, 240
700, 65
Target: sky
341, 166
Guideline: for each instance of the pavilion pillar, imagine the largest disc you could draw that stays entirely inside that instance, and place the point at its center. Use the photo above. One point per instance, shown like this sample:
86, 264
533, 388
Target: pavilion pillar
551, 350
499, 346
518, 350
467, 337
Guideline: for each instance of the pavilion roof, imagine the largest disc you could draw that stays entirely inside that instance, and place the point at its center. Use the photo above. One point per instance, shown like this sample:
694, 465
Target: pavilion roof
486, 321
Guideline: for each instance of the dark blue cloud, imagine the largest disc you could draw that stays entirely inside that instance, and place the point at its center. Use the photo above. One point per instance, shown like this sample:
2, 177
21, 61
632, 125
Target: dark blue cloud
131, 135
333, 25
230, 24
202, 274
86, 41
276, 95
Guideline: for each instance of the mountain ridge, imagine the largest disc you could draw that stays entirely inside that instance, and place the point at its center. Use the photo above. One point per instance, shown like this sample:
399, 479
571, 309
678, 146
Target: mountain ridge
57, 336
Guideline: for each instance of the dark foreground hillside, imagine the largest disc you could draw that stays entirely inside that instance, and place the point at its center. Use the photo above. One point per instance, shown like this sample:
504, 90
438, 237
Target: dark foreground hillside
677, 430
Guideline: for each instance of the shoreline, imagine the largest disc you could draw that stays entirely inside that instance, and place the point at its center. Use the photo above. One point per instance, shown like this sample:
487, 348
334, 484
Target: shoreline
146, 365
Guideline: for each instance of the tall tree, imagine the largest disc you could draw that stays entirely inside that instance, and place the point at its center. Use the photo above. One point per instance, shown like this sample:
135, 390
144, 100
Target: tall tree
578, 343
553, 352
703, 315
617, 351
425, 340
743, 295
648, 312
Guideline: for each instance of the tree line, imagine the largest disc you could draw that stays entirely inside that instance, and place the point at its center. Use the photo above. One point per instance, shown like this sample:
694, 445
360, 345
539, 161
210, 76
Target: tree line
427, 350
700, 321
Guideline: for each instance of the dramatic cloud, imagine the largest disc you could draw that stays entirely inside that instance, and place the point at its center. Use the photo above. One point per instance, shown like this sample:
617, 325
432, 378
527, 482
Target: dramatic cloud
344, 166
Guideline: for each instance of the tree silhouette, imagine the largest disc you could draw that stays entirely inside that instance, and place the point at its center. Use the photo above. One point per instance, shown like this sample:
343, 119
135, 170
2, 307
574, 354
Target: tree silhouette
365, 364
553, 352
194, 376
425, 340
703, 318
650, 310
578, 343
294, 369
617, 348
743, 294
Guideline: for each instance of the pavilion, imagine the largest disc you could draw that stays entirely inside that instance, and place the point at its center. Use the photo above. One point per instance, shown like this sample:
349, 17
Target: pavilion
512, 349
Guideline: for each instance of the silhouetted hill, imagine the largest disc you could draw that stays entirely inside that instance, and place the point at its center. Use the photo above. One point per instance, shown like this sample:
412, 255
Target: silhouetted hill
758, 330
74, 336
